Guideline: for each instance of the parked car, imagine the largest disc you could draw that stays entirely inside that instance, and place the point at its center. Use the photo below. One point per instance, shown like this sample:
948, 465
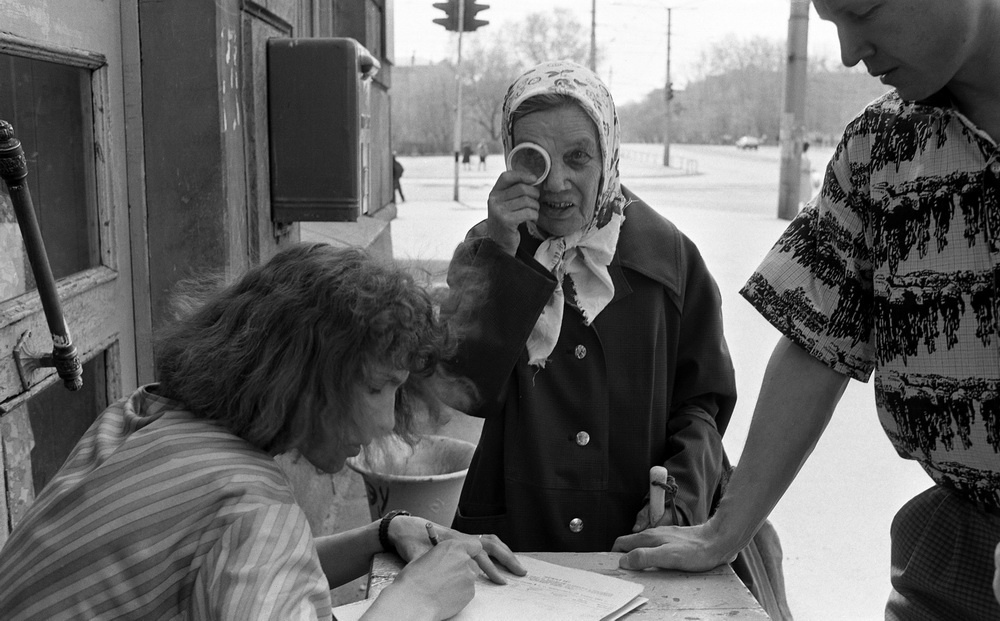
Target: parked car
748, 142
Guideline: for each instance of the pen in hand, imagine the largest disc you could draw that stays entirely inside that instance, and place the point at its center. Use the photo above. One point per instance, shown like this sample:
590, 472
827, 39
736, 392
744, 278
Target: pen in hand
431, 534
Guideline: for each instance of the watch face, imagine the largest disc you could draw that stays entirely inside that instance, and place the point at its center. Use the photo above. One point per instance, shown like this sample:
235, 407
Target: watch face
530, 158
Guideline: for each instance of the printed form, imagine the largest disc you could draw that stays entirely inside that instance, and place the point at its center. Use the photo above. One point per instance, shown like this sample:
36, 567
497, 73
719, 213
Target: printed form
548, 591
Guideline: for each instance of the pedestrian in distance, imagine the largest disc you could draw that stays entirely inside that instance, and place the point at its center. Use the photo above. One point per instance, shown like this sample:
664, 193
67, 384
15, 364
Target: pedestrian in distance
467, 156
171, 506
483, 152
890, 270
397, 172
593, 332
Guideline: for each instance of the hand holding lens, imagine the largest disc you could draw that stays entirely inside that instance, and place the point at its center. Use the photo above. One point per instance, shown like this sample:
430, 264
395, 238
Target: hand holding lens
530, 158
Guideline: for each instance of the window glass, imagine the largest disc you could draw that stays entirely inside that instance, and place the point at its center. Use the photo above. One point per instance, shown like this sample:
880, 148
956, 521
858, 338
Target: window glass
49, 107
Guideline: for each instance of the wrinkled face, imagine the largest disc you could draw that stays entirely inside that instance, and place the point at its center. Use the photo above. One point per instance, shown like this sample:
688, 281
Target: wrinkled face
569, 194
376, 404
916, 46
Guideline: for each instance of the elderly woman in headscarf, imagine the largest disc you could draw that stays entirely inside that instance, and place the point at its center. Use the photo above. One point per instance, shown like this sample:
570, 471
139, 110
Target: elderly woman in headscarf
592, 330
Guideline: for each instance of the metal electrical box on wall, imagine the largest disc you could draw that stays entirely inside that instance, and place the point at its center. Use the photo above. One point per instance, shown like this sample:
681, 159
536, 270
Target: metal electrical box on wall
319, 128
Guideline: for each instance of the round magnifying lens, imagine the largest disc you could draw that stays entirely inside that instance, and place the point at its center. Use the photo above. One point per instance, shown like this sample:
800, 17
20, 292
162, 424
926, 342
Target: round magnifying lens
530, 158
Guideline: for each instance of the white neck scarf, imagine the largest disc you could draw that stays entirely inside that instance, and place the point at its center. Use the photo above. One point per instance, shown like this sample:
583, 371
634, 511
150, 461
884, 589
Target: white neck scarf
581, 258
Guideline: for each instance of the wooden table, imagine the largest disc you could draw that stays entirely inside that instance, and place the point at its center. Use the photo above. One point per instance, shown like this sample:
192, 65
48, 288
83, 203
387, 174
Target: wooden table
715, 594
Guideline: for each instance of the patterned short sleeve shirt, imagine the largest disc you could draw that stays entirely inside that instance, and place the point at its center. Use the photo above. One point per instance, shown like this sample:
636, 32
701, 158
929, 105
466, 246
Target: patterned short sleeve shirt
893, 268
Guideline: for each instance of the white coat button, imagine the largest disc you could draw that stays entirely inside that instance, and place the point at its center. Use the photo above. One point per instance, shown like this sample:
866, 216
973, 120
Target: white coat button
583, 438
580, 352
576, 525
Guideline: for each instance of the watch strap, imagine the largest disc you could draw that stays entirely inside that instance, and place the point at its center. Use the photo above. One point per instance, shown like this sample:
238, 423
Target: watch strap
383, 530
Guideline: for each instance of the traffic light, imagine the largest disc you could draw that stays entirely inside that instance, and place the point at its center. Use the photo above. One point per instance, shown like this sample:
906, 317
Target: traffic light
670, 91
450, 9
470, 22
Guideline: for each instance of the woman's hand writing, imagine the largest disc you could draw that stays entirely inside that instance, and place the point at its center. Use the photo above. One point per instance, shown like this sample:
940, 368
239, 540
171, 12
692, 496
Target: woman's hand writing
513, 200
438, 585
409, 535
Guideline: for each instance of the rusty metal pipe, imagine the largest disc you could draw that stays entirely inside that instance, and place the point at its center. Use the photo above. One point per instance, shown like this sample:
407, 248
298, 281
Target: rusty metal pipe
14, 171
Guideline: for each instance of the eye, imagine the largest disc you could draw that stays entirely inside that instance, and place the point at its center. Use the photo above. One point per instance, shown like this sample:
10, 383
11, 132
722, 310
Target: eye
578, 157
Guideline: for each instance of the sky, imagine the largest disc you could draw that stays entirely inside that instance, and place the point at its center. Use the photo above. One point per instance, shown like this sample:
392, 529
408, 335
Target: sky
631, 33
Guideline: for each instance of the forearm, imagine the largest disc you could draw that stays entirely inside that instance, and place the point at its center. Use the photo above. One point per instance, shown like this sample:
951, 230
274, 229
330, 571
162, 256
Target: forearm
347, 555
393, 603
797, 399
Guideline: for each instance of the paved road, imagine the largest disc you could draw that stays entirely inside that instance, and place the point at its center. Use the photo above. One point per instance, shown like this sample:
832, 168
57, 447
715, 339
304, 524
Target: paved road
834, 520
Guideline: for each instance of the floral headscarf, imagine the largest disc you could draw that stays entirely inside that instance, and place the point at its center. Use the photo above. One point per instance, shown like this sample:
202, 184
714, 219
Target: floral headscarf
582, 257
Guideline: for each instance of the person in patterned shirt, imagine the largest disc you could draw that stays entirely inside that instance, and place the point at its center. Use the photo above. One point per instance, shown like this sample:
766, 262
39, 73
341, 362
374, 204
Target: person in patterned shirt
171, 506
892, 269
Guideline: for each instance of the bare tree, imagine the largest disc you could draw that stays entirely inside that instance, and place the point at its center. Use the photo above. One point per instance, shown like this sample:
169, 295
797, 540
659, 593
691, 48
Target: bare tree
551, 36
486, 75
735, 55
742, 85
496, 58
738, 91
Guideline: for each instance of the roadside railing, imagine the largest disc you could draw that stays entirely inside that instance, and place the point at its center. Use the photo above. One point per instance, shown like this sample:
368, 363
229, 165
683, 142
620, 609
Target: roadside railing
687, 165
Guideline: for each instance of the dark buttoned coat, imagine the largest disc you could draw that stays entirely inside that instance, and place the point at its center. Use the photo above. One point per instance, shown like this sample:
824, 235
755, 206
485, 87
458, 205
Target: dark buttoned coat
563, 461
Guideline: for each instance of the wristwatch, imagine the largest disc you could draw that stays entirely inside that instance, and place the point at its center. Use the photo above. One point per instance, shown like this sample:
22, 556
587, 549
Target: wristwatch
383, 530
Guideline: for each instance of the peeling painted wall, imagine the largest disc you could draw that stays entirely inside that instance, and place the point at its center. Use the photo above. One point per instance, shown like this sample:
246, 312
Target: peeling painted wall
17, 441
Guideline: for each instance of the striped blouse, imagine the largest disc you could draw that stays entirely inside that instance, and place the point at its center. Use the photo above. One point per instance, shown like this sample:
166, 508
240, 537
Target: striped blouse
157, 514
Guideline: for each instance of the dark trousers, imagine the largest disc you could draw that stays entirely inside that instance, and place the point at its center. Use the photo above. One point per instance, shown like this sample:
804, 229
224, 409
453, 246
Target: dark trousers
942, 559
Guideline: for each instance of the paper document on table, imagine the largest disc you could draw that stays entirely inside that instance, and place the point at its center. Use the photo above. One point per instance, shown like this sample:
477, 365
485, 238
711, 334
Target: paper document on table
549, 591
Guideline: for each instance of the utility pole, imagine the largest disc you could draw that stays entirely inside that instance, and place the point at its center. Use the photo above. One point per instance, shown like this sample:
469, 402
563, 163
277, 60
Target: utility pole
456, 12
668, 95
458, 97
793, 116
593, 35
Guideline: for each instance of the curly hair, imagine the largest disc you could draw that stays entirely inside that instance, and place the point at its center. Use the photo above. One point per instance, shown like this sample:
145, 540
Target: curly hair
281, 354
